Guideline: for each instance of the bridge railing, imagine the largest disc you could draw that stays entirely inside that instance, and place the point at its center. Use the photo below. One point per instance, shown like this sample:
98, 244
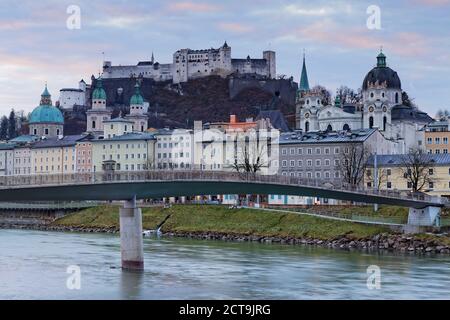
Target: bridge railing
202, 175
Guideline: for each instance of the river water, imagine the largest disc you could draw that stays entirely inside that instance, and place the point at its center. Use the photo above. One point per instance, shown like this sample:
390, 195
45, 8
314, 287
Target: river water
33, 265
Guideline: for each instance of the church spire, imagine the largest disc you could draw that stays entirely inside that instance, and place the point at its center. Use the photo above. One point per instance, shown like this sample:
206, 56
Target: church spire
46, 97
304, 83
381, 59
153, 58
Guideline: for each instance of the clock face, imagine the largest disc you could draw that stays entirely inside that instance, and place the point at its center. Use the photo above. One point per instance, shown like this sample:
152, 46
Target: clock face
307, 115
371, 109
384, 109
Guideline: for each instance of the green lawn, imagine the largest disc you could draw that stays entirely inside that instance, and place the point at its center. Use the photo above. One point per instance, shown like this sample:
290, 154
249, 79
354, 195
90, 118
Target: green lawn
211, 218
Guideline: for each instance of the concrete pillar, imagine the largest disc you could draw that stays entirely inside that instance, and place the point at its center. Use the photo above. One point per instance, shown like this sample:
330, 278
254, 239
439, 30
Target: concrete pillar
131, 243
426, 217
257, 204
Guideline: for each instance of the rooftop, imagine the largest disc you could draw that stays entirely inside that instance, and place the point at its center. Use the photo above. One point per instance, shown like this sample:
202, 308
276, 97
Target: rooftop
65, 141
397, 159
128, 137
326, 137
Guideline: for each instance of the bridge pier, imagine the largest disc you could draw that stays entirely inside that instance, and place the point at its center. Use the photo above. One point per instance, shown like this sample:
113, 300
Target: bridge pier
131, 242
420, 218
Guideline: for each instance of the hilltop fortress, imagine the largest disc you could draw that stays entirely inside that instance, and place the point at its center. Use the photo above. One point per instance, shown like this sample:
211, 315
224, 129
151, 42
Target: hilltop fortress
192, 64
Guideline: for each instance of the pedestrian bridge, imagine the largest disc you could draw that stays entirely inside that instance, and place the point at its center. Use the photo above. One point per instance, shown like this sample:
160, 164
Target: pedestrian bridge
128, 186
158, 184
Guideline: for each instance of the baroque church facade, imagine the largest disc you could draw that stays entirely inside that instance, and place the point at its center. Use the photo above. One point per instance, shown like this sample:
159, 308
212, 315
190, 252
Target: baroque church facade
380, 106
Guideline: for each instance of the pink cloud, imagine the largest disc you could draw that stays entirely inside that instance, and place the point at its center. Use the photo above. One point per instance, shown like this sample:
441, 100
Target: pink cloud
193, 7
408, 44
234, 27
433, 2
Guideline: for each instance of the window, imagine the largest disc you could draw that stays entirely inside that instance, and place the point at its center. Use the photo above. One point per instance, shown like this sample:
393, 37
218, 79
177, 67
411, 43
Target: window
327, 150
429, 140
299, 151
309, 151
437, 151
317, 150
370, 122
300, 163
388, 172
292, 163
284, 151
389, 185
327, 162
306, 125
430, 171
336, 150
437, 140
318, 163
292, 151
309, 163
318, 174
445, 140
431, 184
284, 163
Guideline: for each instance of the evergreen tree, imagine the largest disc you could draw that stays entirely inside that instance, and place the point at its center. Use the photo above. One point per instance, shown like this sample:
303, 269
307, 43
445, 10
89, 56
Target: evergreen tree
4, 128
12, 131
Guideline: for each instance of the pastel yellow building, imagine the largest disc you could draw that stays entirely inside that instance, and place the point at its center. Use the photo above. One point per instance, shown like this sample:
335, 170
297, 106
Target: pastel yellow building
55, 155
437, 137
391, 174
121, 149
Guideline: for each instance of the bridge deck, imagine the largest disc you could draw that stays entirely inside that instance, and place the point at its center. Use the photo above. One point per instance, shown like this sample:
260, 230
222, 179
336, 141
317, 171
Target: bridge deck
156, 184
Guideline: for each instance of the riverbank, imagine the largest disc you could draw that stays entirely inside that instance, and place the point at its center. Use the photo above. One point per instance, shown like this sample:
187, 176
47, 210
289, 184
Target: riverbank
221, 223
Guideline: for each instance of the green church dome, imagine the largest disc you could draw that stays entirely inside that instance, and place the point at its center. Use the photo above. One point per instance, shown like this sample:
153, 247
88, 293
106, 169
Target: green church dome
137, 97
99, 93
45, 112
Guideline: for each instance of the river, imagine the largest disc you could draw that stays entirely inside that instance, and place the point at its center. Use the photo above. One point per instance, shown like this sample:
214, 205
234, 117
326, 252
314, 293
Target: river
33, 265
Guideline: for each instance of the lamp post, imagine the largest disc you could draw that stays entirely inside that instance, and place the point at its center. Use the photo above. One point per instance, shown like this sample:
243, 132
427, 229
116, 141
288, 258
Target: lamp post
375, 178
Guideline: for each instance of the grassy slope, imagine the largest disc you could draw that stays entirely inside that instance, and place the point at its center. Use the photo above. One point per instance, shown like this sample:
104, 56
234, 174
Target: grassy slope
196, 218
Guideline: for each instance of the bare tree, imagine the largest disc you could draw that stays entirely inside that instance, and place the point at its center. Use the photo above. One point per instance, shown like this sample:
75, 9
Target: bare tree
353, 163
250, 158
382, 177
417, 169
347, 95
324, 92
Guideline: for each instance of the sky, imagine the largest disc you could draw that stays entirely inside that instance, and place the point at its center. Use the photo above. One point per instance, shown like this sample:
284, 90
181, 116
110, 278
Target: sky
36, 46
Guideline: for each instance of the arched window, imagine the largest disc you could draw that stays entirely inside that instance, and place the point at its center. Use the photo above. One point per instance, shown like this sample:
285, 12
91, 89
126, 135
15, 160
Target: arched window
371, 122
35, 131
396, 97
346, 127
93, 124
306, 126
371, 94
57, 132
384, 123
329, 128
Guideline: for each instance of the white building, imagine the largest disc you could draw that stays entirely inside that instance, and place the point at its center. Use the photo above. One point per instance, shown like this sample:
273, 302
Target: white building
191, 64
381, 107
70, 97
174, 149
